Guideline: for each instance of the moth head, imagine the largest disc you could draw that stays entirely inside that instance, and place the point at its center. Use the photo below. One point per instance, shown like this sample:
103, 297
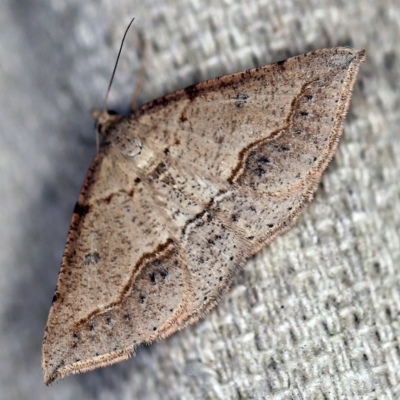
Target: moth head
105, 120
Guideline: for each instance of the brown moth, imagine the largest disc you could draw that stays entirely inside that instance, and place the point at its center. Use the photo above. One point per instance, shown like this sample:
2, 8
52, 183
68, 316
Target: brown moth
181, 193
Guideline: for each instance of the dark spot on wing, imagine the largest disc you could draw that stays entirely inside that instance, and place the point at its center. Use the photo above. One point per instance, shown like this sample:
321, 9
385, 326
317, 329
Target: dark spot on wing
192, 91
164, 273
55, 297
91, 258
241, 99
80, 209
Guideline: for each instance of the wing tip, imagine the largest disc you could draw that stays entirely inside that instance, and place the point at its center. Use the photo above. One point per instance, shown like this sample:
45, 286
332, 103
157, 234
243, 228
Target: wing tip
61, 371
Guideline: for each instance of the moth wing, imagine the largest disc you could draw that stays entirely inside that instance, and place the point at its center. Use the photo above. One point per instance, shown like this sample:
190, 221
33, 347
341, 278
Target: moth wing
266, 128
121, 281
250, 147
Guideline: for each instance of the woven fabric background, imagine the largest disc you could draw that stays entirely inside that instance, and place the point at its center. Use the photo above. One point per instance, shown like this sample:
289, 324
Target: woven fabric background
315, 315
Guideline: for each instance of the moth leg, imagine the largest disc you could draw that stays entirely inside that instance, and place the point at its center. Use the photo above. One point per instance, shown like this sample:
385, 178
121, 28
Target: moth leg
141, 72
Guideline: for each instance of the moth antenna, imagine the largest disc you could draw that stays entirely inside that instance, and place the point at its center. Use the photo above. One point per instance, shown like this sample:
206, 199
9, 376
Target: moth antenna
116, 64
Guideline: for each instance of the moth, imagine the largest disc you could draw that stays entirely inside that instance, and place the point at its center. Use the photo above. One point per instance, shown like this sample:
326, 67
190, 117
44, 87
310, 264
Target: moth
181, 193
